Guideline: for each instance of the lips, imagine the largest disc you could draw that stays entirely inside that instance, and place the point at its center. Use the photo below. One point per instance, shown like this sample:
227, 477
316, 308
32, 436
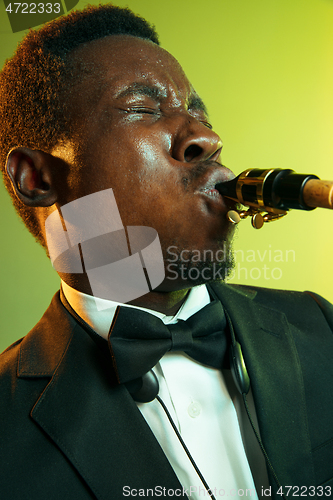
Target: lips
210, 192
208, 183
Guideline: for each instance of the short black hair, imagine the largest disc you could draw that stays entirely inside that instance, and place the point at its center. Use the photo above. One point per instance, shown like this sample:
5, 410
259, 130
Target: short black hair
32, 107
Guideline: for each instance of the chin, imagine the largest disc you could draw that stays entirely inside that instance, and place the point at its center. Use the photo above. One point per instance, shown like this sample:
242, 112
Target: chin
186, 269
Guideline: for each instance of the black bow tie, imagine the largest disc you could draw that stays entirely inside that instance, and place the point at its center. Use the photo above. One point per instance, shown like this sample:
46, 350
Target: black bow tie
138, 340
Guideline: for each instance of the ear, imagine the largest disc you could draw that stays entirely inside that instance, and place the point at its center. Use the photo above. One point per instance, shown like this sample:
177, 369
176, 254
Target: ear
30, 172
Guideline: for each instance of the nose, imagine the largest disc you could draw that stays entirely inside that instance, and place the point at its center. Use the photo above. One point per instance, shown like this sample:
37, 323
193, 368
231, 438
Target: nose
196, 142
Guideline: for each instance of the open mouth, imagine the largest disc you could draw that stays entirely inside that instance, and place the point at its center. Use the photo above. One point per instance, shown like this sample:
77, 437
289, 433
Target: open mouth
212, 192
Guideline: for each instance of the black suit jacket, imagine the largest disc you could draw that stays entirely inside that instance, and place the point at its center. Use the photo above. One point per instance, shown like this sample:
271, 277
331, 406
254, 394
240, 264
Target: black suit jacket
69, 432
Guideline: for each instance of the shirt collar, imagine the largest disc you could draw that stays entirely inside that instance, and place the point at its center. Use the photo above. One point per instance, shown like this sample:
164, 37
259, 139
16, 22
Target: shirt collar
98, 313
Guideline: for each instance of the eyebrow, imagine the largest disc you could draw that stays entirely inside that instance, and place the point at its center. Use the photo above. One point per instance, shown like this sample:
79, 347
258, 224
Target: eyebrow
157, 94
143, 89
196, 103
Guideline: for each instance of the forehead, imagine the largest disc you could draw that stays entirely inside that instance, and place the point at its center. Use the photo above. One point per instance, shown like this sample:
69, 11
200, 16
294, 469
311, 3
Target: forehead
117, 63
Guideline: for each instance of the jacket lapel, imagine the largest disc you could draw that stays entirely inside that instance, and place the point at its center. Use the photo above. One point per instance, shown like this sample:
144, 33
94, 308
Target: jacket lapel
94, 422
273, 365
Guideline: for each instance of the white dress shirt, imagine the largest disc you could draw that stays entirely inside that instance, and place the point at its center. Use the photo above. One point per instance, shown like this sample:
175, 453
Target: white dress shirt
198, 400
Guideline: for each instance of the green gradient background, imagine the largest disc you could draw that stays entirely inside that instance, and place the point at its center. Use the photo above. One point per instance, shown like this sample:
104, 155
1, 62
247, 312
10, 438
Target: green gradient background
265, 70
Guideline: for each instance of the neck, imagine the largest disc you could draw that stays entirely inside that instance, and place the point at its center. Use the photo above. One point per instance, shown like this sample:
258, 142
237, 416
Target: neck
167, 303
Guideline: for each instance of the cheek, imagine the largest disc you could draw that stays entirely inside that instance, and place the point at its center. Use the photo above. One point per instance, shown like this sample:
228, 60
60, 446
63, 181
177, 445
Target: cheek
148, 152
136, 165
151, 149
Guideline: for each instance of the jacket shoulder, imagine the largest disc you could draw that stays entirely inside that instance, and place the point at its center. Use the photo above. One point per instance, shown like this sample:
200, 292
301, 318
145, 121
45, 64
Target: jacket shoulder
38, 353
298, 306
272, 295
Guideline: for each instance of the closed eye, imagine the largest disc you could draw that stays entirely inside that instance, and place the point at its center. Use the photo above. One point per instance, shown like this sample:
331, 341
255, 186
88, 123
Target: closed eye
142, 110
207, 124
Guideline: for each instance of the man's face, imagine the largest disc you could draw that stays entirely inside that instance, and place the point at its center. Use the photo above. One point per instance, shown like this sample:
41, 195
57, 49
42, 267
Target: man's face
145, 134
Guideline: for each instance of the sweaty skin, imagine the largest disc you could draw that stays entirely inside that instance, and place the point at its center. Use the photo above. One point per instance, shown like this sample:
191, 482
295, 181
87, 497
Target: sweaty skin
141, 129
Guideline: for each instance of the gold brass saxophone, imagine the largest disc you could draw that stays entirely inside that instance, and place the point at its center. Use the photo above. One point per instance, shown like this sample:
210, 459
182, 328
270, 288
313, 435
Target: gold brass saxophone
270, 194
